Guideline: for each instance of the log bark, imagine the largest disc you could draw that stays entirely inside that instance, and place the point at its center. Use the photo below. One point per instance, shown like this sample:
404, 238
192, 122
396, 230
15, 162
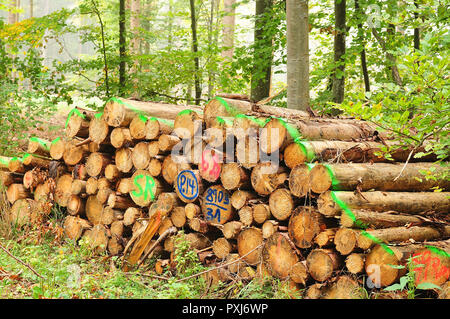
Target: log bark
378, 176
8, 178
278, 256
119, 202
232, 107
344, 151
403, 234
39, 146
117, 114
373, 219
402, 202
275, 135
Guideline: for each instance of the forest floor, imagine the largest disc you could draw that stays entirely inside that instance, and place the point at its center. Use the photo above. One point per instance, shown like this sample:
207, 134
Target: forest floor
71, 271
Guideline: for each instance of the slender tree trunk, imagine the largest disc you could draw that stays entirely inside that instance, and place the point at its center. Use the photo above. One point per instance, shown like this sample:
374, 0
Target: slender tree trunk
229, 21
210, 43
416, 30
122, 46
391, 63
339, 50
198, 89
262, 57
297, 54
365, 72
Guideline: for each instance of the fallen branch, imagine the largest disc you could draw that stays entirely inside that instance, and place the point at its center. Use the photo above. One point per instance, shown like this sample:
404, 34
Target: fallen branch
20, 261
221, 266
169, 231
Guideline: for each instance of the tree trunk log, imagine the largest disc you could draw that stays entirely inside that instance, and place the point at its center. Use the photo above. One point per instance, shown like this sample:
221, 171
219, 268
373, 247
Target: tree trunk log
322, 263
265, 180
278, 256
378, 176
281, 204
304, 225
402, 202
248, 240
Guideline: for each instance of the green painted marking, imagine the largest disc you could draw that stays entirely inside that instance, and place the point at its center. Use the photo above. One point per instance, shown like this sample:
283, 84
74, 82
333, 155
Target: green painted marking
56, 140
41, 142
72, 112
98, 115
358, 223
334, 181
438, 251
149, 185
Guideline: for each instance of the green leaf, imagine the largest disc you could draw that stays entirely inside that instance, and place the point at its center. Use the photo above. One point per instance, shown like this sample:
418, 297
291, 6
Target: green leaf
427, 285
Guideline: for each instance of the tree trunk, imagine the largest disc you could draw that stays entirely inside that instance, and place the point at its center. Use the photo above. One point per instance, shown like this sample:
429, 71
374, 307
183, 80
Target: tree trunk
304, 225
322, 263
401, 202
377, 219
247, 243
365, 72
197, 74
297, 54
122, 47
262, 55
380, 176
228, 22
339, 50
265, 180
278, 256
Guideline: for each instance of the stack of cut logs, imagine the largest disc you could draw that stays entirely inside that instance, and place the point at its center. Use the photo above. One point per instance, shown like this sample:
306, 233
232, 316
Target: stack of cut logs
335, 214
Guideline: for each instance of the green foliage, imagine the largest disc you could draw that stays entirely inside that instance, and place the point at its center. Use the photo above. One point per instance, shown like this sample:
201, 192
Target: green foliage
408, 281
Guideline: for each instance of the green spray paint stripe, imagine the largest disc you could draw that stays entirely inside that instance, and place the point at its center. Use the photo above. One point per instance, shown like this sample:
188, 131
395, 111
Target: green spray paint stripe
140, 113
334, 181
98, 115
56, 140
298, 139
259, 122
438, 251
358, 223
223, 121
232, 110
41, 142
3, 161
72, 112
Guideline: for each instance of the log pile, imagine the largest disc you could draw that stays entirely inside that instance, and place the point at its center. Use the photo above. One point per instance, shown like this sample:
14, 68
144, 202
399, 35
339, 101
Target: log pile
332, 216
